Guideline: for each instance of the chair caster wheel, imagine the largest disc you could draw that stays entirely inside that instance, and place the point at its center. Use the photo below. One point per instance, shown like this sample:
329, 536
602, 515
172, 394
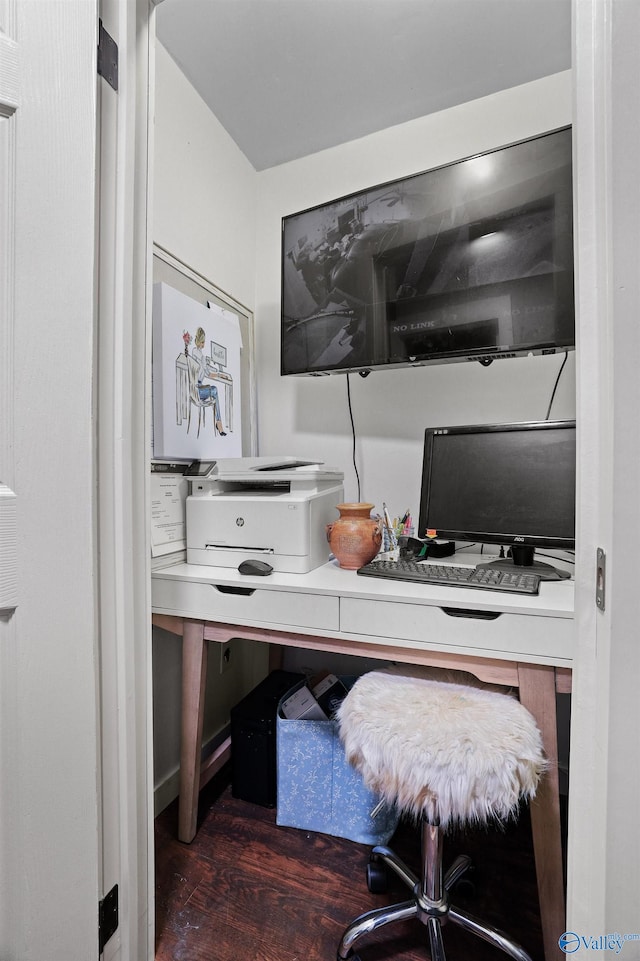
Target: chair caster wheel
465, 888
377, 878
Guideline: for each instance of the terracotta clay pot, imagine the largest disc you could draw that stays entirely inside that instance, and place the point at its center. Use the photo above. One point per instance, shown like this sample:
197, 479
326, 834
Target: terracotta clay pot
355, 537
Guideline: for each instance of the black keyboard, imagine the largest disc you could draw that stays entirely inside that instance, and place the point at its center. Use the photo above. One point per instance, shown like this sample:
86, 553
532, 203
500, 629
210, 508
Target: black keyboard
485, 578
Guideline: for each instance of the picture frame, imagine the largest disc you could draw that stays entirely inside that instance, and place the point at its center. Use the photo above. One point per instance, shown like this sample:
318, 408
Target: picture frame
183, 429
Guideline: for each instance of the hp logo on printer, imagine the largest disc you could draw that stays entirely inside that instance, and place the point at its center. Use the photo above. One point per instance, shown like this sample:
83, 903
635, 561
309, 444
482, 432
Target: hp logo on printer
239, 521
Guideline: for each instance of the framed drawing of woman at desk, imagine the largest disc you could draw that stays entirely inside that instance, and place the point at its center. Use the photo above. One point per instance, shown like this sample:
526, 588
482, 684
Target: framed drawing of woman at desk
203, 391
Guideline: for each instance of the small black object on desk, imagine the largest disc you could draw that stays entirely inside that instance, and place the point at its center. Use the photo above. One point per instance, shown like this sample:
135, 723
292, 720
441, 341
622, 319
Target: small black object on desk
261, 568
414, 547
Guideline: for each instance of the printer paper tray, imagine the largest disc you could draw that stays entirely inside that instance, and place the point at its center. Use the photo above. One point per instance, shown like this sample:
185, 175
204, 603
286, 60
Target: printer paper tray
238, 550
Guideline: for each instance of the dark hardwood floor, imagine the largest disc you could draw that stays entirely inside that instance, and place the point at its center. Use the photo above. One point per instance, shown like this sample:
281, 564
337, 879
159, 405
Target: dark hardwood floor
248, 890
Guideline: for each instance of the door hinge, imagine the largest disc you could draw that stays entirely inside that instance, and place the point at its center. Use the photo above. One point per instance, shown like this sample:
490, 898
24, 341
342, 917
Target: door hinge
107, 917
107, 57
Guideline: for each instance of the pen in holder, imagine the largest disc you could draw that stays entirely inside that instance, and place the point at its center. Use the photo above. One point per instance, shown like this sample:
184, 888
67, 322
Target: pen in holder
389, 539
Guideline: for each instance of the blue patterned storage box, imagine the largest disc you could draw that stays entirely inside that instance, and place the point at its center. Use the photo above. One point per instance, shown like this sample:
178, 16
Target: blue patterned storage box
318, 790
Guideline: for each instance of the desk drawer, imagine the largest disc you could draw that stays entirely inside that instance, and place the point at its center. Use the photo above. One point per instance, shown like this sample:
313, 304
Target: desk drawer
512, 634
207, 602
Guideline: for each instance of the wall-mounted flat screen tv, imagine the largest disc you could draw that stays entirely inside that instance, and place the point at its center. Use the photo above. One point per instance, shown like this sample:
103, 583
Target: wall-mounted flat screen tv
470, 261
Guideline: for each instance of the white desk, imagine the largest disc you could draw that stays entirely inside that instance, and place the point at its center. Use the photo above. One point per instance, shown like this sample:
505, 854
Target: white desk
521, 641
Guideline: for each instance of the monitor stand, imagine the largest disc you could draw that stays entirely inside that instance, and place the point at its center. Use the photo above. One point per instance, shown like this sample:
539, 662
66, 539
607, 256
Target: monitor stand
522, 560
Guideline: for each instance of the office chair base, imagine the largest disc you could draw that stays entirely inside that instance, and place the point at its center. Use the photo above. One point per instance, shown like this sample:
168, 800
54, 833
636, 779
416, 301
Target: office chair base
429, 903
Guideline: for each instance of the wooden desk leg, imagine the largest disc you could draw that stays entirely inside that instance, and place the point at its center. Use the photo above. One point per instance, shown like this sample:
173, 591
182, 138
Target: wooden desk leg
538, 694
194, 675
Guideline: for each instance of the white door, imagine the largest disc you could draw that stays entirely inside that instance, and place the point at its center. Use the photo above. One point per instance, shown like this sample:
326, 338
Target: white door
49, 802
73, 649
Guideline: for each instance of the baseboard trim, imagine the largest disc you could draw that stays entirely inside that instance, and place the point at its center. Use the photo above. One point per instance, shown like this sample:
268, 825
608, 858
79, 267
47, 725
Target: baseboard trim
215, 753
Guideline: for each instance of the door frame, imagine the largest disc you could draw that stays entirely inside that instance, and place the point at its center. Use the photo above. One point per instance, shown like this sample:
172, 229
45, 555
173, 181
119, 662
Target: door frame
605, 700
123, 392
604, 840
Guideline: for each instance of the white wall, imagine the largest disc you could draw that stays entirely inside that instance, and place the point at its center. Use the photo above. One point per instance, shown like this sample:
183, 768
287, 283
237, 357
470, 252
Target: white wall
204, 214
308, 417
204, 187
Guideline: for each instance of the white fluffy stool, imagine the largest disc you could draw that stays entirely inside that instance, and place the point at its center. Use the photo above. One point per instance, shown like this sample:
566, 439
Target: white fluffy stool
446, 753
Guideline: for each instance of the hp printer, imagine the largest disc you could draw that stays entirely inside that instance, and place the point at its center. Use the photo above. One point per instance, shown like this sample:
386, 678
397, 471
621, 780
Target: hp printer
271, 509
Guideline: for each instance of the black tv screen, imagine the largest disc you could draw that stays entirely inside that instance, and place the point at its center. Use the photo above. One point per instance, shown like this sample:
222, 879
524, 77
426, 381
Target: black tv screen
471, 261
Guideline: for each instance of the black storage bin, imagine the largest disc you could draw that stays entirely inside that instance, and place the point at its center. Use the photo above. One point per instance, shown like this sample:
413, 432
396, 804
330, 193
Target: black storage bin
253, 739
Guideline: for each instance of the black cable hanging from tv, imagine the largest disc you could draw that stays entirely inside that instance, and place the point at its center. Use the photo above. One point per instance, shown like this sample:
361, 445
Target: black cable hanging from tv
555, 386
353, 434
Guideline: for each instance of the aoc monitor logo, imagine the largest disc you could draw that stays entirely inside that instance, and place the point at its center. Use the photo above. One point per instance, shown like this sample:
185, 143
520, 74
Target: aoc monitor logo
570, 942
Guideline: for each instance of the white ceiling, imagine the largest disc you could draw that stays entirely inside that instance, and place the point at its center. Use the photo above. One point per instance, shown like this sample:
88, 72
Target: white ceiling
287, 78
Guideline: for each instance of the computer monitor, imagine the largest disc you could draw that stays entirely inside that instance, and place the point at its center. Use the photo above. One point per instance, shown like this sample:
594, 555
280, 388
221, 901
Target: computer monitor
506, 484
